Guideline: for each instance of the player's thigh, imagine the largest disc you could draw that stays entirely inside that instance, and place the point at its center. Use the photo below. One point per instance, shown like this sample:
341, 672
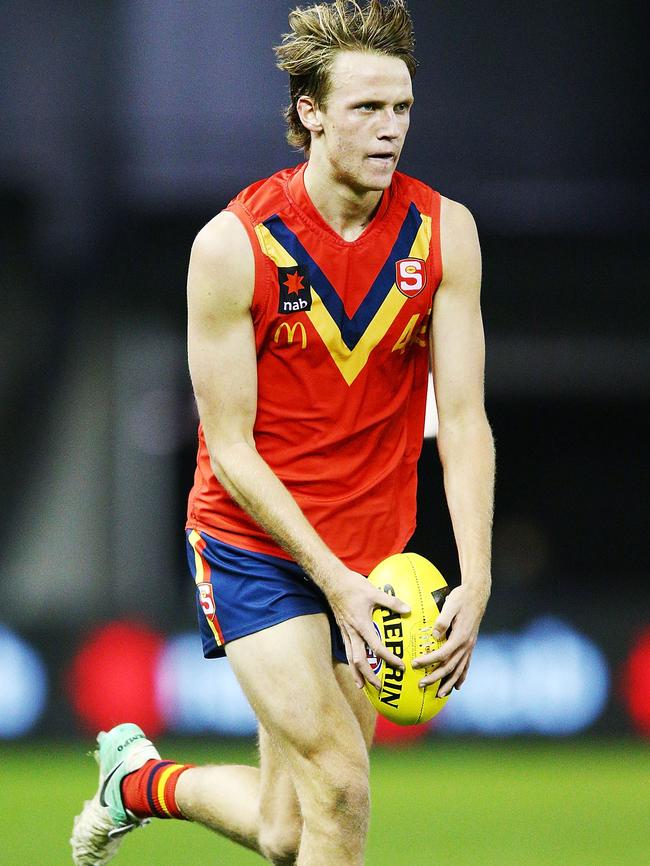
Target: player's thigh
287, 674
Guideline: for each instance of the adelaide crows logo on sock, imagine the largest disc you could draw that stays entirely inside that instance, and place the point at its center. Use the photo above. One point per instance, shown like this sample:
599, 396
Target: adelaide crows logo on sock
295, 289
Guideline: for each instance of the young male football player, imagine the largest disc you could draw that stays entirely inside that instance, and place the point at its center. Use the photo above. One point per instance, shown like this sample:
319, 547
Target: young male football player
317, 300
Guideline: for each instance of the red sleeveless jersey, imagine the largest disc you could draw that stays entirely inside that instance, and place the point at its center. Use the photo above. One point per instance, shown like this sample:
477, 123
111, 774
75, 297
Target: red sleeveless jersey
341, 330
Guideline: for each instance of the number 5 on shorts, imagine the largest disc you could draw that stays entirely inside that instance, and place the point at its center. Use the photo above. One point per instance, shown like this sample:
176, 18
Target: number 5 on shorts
206, 599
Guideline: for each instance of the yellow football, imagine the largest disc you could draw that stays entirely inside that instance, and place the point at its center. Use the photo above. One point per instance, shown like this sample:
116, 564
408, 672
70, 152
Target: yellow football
418, 583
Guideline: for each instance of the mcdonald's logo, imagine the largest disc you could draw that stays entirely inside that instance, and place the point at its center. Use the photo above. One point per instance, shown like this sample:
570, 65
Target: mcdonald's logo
291, 333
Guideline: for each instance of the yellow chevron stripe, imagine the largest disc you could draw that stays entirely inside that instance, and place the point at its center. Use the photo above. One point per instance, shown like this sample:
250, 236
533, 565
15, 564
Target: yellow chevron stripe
194, 537
350, 362
422, 242
273, 249
162, 781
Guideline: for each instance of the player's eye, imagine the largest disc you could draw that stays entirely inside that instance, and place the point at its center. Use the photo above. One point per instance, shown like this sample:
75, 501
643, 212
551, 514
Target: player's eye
367, 106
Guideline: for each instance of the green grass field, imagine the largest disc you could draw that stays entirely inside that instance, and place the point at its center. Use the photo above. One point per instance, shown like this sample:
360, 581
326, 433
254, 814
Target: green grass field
464, 804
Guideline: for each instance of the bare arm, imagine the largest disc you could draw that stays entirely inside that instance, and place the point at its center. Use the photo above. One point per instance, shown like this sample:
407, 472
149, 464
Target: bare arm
465, 442
223, 367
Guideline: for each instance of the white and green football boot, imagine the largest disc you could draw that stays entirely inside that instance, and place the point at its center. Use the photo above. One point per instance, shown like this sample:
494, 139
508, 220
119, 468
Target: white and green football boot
99, 829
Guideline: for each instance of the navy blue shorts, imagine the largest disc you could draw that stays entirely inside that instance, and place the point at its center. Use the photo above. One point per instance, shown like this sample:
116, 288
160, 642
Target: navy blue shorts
239, 592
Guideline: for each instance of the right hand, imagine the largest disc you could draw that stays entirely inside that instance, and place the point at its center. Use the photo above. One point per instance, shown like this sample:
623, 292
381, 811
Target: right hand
353, 602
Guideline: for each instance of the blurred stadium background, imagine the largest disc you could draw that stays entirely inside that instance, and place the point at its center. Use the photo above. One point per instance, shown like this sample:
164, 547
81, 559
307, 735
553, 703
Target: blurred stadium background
125, 127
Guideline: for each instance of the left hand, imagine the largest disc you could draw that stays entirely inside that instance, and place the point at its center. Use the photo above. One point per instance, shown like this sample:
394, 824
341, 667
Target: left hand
462, 613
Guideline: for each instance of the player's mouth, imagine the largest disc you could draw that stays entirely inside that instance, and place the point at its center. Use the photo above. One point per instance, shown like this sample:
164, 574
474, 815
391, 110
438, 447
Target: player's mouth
385, 159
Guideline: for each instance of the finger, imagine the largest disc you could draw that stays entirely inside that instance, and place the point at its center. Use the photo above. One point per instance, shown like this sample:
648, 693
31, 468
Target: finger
391, 602
442, 623
358, 679
463, 676
442, 671
381, 652
349, 652
438, 656
360, 662
448, 683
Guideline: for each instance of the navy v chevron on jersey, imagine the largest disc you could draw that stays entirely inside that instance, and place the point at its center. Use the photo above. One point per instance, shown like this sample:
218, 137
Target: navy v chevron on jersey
341, 330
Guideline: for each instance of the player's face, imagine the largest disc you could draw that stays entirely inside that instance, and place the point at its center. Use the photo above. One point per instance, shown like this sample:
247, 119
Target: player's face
365, 118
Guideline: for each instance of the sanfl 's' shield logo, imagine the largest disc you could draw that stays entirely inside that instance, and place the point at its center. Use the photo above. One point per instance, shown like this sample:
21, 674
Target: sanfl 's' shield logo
410, 276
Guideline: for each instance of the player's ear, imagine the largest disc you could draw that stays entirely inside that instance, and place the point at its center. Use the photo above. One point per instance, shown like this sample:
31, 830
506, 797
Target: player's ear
309, 114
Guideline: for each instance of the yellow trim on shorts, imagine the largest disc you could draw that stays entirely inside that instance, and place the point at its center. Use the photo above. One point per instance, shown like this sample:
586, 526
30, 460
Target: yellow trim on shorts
194, 538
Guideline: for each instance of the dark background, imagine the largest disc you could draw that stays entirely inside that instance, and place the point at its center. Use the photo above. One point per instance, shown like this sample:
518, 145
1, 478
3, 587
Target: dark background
127, 125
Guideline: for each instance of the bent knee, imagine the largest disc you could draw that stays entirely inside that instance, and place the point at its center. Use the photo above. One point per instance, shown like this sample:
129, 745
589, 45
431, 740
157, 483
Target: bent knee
279, 842
341, 792
346, 798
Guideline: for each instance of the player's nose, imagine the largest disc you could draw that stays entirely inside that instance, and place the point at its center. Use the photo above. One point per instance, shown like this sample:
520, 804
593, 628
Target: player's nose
389, 127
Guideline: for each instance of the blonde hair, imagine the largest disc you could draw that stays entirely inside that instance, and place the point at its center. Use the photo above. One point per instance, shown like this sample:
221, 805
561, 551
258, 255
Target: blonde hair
318, 32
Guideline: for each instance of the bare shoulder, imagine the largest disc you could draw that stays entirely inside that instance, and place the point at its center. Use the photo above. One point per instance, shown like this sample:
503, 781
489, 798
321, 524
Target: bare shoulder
220, 238
221, 260
461, 252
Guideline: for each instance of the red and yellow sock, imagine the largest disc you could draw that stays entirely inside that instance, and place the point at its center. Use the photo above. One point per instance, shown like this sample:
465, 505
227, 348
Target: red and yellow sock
150, 792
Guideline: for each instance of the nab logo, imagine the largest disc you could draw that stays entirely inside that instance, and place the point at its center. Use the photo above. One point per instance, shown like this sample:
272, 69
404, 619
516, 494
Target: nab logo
410, 276
295, 289
291, 333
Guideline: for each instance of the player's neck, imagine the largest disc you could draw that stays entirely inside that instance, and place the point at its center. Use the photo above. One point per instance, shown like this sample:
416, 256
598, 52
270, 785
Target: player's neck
344, 210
